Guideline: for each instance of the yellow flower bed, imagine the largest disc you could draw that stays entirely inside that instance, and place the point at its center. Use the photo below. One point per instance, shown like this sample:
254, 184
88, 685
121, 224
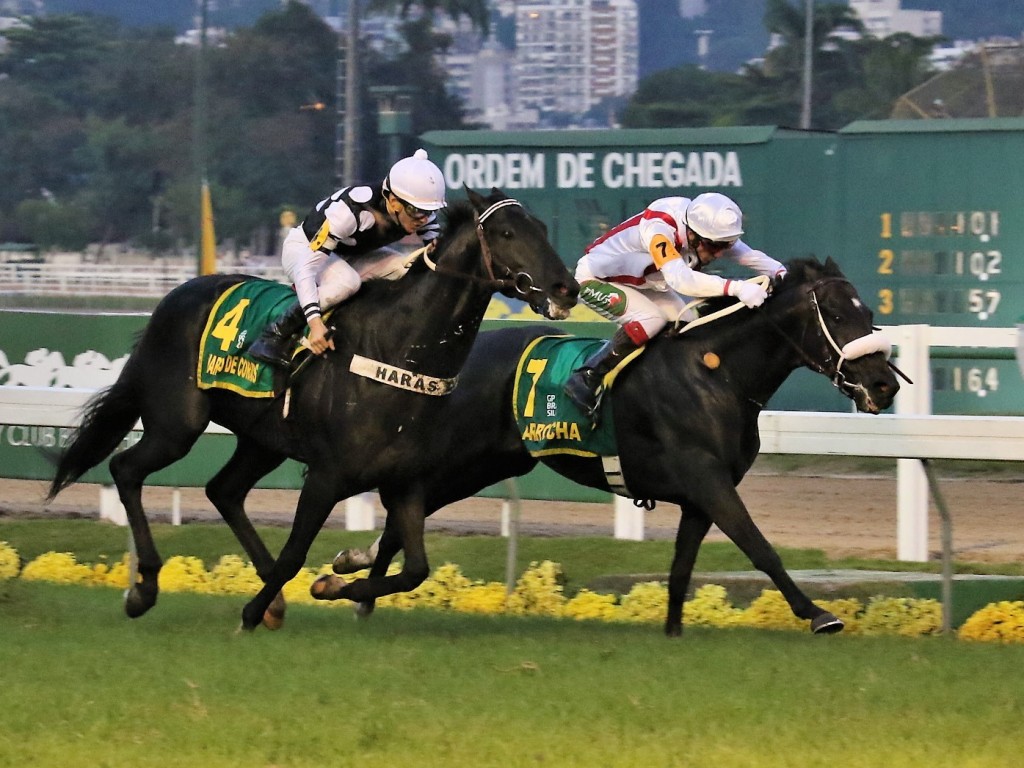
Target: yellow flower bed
539, 592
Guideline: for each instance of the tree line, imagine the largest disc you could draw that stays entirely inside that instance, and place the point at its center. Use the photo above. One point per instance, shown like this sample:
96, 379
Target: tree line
99, 122
99, 126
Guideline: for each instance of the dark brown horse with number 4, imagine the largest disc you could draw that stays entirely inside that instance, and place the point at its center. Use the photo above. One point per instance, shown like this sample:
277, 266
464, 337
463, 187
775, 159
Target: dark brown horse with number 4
358, 417
684, 415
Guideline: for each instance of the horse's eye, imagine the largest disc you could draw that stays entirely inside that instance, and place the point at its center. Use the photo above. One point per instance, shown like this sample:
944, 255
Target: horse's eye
507, 234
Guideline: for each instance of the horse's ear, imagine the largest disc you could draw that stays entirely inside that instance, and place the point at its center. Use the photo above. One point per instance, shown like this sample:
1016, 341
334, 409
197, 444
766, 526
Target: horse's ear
832, 267
475, 199
497, 194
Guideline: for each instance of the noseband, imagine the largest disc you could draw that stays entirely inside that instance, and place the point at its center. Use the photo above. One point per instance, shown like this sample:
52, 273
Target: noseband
521, 282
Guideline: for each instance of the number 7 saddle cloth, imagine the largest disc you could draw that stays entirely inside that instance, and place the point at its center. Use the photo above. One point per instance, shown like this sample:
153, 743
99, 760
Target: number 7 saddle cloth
548, 421
235, 322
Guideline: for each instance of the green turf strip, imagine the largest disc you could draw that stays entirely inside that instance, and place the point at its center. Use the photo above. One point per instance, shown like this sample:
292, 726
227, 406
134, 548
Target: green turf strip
82, 685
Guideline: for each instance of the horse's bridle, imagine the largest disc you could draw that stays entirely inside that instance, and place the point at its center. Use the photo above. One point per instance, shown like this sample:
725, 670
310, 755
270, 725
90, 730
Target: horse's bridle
868, 344
521, 282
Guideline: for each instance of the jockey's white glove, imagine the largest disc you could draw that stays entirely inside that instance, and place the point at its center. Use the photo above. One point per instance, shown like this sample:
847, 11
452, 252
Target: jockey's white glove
751, 294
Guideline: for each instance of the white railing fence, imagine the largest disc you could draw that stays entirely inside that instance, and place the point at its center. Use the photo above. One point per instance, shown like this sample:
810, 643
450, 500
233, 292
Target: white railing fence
153, 280
911, 436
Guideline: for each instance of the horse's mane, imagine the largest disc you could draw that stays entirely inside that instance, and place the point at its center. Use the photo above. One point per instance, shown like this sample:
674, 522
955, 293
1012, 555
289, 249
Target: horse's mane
805, 270
455, 216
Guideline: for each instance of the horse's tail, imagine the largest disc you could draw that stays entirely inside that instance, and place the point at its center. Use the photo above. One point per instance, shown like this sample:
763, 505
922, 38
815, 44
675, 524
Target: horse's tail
106, 419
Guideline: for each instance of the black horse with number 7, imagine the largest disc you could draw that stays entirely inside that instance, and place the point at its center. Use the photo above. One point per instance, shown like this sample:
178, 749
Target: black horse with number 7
685, 421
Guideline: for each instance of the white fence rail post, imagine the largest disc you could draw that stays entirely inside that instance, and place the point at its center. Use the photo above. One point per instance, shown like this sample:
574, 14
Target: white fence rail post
629, 520
360, 513
911, 481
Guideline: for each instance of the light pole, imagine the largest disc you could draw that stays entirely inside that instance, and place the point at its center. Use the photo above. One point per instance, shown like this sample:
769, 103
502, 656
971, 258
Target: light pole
805, 112
346, 136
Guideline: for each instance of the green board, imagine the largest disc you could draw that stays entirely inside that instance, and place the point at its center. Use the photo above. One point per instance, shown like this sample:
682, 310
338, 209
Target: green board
923, 216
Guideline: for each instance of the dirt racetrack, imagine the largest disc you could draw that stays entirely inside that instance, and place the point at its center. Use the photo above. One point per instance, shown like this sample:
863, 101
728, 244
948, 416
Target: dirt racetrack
840, 512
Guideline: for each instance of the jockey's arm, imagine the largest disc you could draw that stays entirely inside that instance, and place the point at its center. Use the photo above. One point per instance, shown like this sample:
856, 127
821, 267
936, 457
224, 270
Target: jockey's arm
758, 261
318, 339
678, 274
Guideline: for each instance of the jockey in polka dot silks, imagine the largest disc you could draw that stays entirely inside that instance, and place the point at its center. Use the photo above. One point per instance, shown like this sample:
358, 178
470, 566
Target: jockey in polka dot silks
342, 241
643, 272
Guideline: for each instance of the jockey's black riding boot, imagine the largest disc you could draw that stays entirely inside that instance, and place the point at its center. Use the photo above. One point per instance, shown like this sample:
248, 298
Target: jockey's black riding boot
584, 386
274, 346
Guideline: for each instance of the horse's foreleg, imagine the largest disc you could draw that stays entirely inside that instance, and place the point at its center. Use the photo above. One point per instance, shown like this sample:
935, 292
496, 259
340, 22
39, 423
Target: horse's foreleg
227, 491
727, 511
693, 527
317, 499
130, 468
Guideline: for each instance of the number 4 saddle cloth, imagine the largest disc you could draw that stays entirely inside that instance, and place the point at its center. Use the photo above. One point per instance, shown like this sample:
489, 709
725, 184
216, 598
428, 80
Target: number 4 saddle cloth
548, 421
235, 322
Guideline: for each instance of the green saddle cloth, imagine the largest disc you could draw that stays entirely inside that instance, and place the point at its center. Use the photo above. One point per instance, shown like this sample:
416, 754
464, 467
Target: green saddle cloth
235, 322
548, 421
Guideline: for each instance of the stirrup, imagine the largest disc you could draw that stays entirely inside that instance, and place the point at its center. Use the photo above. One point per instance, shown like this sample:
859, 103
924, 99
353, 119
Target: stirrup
593, 395
272, 352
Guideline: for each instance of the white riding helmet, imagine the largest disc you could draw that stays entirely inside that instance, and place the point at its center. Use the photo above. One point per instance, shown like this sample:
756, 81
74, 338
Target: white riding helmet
714, 217
417, 181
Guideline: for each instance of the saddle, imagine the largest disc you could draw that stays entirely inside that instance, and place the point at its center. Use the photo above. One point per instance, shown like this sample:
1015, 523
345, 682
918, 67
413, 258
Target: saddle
234, 323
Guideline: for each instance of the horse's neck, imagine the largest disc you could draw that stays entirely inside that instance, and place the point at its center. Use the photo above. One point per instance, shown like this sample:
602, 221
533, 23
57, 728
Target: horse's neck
756, 355
429, 323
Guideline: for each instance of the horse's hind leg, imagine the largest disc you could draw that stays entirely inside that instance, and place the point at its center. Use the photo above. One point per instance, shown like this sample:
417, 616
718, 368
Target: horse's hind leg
693, 527
382, 551
227, 492
130, 468
404, 530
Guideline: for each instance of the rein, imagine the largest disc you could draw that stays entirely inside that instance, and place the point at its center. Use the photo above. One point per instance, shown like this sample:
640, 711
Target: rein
863, 345
521, 282
763, 280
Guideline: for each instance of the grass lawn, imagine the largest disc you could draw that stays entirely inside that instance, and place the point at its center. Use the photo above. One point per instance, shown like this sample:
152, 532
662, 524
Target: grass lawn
85, 686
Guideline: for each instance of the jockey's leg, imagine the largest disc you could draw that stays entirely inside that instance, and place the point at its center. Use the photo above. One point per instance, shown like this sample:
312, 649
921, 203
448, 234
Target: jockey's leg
584, 386
274, 345
336, 281
640, 315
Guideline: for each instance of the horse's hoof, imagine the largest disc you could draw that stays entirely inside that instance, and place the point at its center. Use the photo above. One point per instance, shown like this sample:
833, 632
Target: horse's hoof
350, 561
364, 609
827, 624
273, 617
136, 603
252, 616
327, 587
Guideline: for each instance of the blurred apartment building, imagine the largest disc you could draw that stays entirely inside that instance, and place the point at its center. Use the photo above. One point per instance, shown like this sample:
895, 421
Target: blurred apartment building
567, 57
882, 18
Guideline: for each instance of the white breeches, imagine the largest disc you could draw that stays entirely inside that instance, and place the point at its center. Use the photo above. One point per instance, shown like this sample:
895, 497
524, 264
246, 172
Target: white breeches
328, 278
649, 307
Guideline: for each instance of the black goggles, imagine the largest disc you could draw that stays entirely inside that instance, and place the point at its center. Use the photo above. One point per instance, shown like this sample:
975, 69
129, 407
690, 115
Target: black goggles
715, 246
411, 210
